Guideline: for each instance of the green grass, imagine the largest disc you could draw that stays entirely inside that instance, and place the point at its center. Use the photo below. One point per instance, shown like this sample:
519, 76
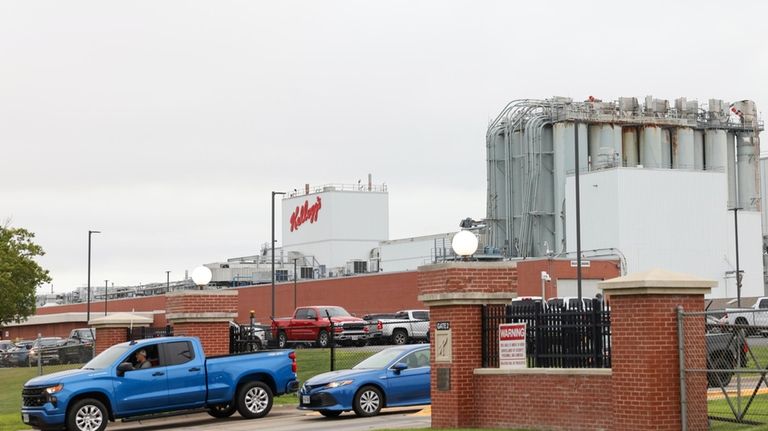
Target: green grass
10, 393
758, 412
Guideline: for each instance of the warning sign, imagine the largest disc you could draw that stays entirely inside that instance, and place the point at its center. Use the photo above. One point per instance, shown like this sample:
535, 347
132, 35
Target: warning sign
512, 345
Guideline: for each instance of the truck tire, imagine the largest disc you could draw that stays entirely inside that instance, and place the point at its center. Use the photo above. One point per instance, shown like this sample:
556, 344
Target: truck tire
282, 340
87, 414
254, 400
400, 337
368, 401
322, 338
222, 411
720, 361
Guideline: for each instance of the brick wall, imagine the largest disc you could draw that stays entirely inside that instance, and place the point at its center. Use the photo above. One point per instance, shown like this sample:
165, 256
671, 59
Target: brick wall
108, 337
464, 278
529, 274
458, 409
554, 402
214, 336
204, 301
646, 375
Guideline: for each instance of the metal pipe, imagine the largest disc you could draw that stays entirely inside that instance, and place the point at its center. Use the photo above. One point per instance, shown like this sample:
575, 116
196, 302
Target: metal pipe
273, 249
681, 366
106, 294
578, 211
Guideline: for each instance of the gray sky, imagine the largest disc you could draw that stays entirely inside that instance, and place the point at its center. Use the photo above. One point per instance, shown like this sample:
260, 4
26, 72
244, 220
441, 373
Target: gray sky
167, 124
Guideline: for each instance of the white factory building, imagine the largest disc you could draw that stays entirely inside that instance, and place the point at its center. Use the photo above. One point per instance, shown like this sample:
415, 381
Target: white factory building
658, 184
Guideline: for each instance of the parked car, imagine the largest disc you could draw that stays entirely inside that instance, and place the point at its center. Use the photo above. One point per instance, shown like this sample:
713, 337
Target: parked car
754, 319
85, 335
395, 377
5, 345
310, 324
47, 349
114, 385
569, 303
18, 355
407, 326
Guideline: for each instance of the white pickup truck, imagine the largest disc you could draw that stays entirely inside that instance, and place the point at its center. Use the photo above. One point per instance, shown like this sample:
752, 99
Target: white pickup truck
404, 327
755, 316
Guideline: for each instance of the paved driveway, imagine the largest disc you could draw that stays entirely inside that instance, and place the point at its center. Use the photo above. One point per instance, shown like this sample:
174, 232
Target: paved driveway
285, 418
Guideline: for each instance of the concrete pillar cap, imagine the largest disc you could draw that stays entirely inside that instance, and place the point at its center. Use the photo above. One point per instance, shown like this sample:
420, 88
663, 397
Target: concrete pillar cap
657, 282
120, 320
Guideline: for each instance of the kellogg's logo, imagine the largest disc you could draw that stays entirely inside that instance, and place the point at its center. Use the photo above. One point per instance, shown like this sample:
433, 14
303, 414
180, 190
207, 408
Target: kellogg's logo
304, 213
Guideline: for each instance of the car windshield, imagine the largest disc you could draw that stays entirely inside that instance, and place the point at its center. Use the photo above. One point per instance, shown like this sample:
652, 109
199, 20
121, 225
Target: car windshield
85, 334
107, 357
333, 312
379, 360
47, 342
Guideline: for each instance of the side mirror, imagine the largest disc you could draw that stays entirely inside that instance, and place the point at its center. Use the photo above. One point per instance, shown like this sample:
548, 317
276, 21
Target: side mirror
400, 366
123, 367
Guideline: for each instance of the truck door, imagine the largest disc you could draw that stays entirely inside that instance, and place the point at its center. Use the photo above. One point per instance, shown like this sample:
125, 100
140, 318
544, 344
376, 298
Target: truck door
186, 374
302, 324
142, 390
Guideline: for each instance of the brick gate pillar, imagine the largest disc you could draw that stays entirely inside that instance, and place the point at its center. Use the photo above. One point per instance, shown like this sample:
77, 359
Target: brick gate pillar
204, 314
113, 328
455, 293
644, 349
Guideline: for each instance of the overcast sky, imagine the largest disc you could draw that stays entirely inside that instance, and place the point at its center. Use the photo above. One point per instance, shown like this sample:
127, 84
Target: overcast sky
166, 124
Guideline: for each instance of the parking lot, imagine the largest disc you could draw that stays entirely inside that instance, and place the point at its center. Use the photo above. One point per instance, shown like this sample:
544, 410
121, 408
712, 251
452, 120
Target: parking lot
285, 418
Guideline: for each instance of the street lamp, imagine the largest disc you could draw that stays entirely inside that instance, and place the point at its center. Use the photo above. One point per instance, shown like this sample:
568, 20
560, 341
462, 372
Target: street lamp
294, 282
201, 276
88, 307
273, 249
464, 243
106, 282
578, 208
735, 210
167, 281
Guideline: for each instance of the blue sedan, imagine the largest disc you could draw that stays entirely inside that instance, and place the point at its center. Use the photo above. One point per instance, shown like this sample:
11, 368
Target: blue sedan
394, 377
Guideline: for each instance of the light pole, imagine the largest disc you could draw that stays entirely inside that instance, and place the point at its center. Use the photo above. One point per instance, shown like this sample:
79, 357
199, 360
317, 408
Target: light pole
544, 279
578, 209
106, 288
738, 269
88, 307
294, 283
167, 281
273, 249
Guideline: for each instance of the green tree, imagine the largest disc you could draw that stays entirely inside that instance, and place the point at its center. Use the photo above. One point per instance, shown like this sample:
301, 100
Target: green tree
20, 275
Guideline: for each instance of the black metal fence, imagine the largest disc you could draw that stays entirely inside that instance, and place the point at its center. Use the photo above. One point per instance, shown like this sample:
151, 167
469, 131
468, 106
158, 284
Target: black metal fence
249, 338
149, 332
556, 336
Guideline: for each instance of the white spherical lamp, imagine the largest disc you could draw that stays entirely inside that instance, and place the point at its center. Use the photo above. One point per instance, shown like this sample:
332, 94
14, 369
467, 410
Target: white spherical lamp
201, 276
464, 243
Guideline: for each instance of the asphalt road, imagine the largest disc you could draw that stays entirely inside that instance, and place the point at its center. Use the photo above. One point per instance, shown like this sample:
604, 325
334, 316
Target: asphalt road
284, 418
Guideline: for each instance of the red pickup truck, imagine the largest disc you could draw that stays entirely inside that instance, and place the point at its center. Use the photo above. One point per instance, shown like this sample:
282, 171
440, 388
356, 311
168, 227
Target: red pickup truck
311, 324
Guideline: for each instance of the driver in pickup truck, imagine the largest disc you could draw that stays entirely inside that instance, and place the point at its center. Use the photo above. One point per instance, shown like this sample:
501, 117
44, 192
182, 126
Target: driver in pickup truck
141, 360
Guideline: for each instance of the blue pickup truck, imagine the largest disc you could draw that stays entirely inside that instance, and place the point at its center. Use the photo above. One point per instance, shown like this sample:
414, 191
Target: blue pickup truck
158, 377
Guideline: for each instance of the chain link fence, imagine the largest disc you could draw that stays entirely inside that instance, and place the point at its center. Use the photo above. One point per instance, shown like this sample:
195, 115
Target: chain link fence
380, 333
724, 371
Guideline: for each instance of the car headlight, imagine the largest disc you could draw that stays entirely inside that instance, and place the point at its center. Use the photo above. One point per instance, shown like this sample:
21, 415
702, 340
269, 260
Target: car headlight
338, 383
54, 389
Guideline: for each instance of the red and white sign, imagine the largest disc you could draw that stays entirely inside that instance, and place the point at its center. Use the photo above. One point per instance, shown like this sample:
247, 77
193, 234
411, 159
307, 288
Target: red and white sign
305, 213
512, 345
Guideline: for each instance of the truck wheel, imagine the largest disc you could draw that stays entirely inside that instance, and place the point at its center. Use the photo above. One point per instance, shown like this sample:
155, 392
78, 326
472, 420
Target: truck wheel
399, 337
720, 361
254, 400
87, 415
322, 338
282, 340
330, 413
222, 410
367, 401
